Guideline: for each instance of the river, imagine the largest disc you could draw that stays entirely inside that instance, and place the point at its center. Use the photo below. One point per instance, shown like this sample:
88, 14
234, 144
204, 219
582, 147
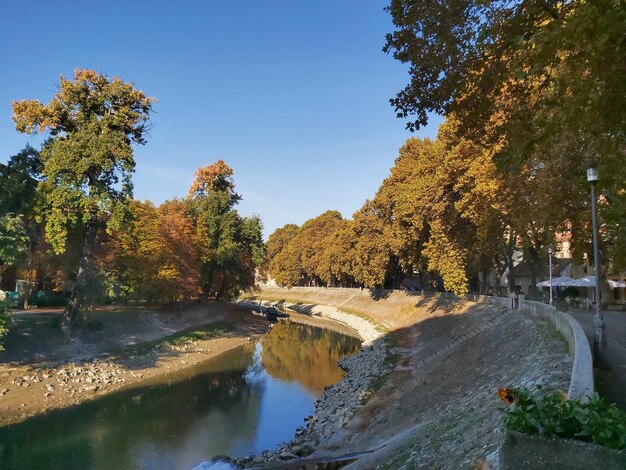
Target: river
244, 401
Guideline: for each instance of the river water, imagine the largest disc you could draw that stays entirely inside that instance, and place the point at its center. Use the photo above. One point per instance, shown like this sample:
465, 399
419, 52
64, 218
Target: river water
245, 401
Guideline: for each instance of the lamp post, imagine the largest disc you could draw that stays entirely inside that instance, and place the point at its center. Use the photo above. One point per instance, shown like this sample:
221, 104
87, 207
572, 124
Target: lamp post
599, 336
550, 253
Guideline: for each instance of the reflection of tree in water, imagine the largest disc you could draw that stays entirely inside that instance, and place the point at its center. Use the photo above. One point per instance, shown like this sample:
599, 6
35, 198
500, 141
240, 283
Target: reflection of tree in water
306, 354
115, 431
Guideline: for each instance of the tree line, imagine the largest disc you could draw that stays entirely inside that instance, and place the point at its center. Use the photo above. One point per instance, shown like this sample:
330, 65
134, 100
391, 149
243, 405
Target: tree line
69, 223
533, 94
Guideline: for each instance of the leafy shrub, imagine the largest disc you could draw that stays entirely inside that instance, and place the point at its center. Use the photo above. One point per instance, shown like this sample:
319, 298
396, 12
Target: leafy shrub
552, 414
5, 321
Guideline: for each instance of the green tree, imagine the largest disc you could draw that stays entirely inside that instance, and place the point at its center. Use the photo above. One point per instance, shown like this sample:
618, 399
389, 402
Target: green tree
18, 181
5, 321
13, 239
230, 247
19, 231
87, 162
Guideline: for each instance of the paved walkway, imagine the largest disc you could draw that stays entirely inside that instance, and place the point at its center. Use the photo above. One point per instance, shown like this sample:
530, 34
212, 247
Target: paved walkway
610, 370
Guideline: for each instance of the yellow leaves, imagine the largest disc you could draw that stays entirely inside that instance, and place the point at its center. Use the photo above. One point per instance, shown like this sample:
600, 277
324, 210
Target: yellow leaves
214, 177
87, 75
168, 273
31, 117
446, 257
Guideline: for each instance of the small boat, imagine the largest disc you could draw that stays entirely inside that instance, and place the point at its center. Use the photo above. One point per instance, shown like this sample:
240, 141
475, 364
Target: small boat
271, 312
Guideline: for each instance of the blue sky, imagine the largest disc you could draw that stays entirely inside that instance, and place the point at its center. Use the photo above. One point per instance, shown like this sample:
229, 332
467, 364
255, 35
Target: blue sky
293, 95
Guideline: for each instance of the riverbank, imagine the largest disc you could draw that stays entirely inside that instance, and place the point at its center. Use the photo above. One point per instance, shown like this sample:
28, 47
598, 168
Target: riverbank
154, 343
421, 391
432, 402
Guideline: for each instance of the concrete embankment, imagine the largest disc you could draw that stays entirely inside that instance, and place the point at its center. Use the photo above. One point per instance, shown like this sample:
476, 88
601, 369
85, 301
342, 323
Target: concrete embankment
438, 404
581, 383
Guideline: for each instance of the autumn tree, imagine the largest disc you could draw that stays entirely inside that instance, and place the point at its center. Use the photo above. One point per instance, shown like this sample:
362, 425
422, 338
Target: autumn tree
540, 81
131, 258
372, 251
317, 253
154, 258
88, 161
336, 264
465, 56
286, 267
176, 229
279, 240
311, 241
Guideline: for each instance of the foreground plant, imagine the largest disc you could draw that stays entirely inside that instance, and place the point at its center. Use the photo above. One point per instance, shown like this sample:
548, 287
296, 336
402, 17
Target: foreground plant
5, 321
550, 413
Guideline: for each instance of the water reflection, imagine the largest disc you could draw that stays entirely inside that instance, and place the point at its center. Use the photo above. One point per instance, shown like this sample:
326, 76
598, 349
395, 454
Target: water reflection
306, 354
244, 401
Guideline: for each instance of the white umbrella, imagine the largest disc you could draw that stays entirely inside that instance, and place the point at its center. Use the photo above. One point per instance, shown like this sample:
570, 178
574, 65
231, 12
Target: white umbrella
556, 282
589, 281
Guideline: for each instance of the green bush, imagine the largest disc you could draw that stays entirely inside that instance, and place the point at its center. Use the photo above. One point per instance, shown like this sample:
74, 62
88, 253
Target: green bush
5, 321
551, 414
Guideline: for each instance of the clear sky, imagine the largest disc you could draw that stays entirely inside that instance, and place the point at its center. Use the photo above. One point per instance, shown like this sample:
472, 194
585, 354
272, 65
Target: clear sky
293, 95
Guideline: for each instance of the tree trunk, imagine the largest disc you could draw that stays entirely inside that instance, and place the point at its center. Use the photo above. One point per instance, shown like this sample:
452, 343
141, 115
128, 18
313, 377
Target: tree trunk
81, 284
484, 285
510, 250
533, 265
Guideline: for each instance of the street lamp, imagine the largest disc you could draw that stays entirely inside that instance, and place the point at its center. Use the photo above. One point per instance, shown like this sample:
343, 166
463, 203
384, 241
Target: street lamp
550, 253
599, 337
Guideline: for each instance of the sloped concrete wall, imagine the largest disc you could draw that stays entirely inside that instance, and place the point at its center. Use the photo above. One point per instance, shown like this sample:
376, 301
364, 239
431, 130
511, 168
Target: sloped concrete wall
581, 384
523, 452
